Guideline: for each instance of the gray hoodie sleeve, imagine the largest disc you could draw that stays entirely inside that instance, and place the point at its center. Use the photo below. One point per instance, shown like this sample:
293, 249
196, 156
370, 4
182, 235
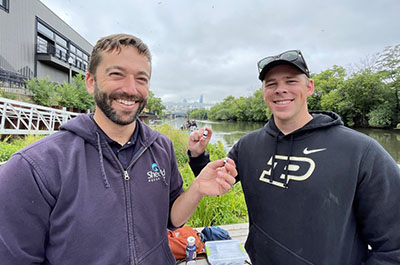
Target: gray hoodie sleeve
24, 213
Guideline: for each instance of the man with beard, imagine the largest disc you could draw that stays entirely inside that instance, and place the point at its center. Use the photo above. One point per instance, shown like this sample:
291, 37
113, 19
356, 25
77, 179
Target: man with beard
106, 187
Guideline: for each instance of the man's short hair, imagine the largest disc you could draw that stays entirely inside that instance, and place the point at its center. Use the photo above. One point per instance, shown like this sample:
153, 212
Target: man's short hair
114, 43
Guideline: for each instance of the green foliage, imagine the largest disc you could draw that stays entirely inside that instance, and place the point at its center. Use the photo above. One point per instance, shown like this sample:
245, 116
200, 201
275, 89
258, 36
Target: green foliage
43, 91
9, 146
154, 104
198, 114
250, 108
5, 94
381, 116
85, 100
68, 96
179, 140
74, 95
327, 82
257, 111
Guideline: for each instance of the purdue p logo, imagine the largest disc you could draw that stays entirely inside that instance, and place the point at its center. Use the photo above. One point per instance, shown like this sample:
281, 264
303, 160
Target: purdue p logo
300, 168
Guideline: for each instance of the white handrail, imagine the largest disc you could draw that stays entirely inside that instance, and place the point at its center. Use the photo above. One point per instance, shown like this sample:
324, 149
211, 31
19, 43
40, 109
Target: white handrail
24, 118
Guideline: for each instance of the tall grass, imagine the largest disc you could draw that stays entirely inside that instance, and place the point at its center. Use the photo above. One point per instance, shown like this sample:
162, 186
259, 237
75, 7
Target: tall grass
229, 208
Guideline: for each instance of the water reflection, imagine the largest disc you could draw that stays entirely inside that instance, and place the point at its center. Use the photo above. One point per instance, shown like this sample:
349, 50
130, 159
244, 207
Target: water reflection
230, 132
389, 139
226, 132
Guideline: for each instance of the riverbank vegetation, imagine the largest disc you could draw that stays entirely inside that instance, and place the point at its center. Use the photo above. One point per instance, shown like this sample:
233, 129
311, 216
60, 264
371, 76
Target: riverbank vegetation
229, 208
367, 97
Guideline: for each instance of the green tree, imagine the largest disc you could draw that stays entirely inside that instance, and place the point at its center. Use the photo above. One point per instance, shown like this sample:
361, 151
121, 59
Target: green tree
257, 107
154, 104
388, 65
325, 82
363, 93
199, 114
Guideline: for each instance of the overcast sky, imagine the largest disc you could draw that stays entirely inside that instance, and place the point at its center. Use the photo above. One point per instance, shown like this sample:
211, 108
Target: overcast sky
211, 47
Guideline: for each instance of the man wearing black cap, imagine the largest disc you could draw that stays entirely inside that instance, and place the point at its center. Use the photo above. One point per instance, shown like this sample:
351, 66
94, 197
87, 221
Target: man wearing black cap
317, 192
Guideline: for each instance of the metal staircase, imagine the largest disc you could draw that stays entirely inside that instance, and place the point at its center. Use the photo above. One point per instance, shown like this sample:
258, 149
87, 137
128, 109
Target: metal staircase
19, 118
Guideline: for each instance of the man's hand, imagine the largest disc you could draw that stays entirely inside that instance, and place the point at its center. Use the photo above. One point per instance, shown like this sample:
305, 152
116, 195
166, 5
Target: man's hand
198, 141
216, 178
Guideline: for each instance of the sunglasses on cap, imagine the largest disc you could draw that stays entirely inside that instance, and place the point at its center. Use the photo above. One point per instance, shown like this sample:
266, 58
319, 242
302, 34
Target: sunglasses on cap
292, 57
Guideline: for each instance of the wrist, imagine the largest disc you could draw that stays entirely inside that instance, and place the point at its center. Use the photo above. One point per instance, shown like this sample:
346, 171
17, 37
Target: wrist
195, 191
194, 154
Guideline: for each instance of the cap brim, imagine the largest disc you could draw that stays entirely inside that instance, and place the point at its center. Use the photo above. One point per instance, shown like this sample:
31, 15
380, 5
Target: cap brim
268, 67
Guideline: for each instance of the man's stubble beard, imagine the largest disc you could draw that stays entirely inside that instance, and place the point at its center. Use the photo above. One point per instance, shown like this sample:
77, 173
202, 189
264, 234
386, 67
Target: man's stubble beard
104, 102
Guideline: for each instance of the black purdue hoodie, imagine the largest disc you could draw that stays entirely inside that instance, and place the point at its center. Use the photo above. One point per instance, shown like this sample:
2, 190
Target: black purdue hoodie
331, 192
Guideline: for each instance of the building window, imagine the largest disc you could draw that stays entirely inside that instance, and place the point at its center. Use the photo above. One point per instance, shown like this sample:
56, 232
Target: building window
80, 58
53, 43
5, 5
41, 45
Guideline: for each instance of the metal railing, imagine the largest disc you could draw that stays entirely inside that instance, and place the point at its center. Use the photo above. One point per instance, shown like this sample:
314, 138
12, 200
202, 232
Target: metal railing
19, 118
11, 79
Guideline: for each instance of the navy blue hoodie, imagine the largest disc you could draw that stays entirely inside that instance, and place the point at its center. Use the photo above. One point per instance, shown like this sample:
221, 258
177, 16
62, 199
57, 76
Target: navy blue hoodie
331, 192
66, 199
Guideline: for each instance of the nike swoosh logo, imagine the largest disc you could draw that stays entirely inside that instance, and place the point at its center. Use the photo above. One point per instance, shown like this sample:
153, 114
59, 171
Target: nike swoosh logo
307, 152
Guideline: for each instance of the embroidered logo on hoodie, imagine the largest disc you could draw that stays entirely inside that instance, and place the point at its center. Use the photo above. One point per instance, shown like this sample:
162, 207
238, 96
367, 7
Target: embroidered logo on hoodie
297, 168
156, 173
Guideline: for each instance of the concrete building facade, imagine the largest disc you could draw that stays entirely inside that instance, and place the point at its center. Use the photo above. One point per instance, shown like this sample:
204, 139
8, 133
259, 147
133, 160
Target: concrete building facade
35, 42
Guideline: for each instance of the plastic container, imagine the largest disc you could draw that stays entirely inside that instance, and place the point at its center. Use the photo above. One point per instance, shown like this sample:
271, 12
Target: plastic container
191, 251
225, 252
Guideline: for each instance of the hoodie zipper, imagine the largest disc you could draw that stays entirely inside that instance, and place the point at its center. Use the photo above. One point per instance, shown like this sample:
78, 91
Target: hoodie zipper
126, 175
129, 205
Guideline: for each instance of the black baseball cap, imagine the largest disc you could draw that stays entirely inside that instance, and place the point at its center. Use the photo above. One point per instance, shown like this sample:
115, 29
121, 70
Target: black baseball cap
291, 57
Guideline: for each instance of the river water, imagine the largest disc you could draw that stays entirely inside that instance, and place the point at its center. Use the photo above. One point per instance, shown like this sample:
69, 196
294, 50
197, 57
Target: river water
230, 132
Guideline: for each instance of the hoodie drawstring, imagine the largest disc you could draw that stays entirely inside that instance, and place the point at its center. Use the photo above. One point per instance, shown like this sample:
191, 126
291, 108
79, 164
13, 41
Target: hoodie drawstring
271, 177
103, 172
163, 175
285, 183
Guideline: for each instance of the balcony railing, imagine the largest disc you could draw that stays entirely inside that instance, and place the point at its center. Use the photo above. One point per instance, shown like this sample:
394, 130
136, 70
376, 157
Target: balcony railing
12, 79
61, 54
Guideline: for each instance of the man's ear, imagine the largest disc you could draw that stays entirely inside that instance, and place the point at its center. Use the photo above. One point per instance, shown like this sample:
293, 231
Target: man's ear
90, 82
310, 88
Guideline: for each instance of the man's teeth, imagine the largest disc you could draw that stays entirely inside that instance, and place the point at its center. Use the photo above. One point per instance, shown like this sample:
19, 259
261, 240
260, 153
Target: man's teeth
126, 102
283, 102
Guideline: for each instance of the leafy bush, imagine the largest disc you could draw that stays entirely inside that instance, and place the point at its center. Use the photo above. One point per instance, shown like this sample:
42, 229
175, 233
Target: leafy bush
10, 146
74, 94
68, 96
43, 91
381, 116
